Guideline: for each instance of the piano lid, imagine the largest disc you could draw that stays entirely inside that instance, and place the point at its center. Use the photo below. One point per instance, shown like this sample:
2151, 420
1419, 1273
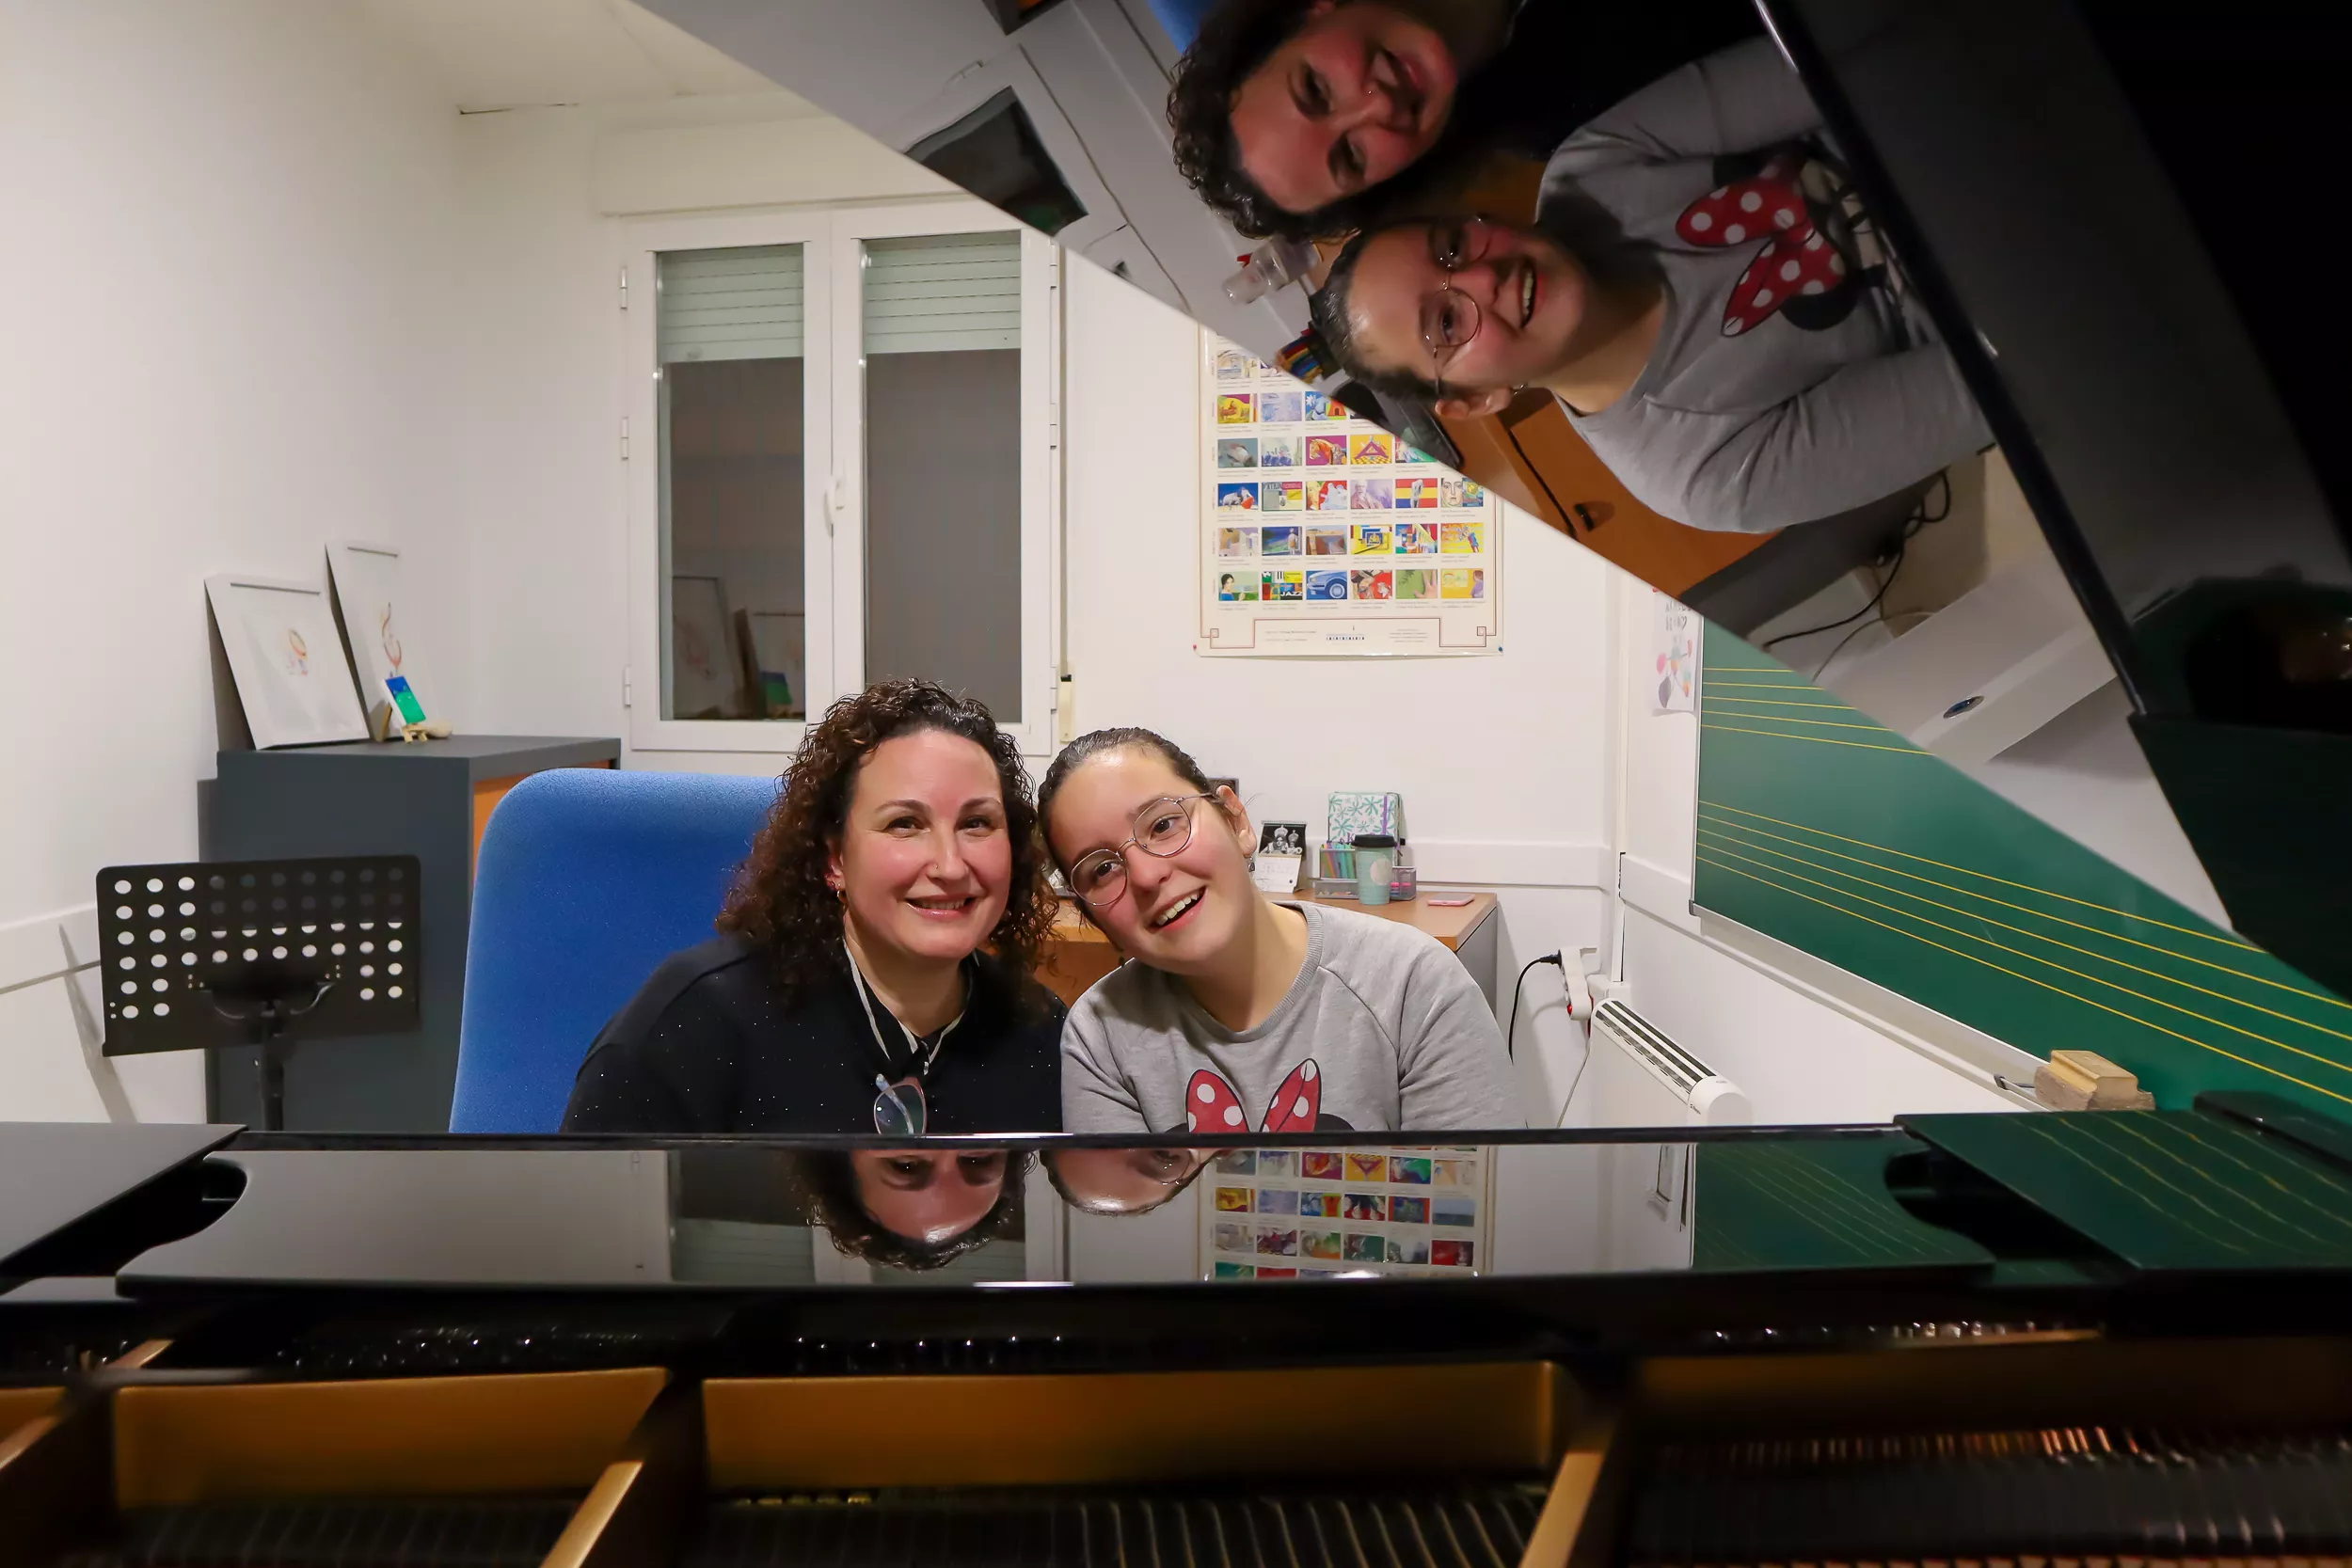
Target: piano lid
2112, 211
54, 1174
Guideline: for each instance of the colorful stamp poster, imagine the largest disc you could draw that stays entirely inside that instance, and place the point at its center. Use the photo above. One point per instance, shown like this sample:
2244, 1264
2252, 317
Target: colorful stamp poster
1415, 1212
1321, 1164
1462, 536
1236, 541
1416, 583
1274, 446
1326, 540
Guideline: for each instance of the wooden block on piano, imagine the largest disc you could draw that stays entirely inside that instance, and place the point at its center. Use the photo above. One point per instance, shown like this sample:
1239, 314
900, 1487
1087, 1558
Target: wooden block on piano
2086, 1081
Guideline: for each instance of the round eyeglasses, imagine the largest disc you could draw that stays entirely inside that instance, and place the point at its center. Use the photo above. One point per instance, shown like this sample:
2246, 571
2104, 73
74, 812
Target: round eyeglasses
1162, 827
1450, 318
900, 1108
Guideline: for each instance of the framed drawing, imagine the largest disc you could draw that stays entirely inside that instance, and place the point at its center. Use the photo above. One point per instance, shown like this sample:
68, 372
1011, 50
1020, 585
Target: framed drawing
288, 660
368, 590
705, 670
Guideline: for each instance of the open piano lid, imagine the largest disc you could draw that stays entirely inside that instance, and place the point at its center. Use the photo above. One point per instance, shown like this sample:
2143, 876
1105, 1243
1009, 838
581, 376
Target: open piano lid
2100, 202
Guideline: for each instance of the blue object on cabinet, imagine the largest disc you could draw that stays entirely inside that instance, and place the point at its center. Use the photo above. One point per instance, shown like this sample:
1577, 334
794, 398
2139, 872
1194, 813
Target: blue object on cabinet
1182, 18
587, 881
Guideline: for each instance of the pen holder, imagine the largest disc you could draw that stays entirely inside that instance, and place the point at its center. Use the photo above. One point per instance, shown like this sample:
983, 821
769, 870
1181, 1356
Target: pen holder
1375, 865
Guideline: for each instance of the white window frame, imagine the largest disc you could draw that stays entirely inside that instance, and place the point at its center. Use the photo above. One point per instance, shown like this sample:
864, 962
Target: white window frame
834, 473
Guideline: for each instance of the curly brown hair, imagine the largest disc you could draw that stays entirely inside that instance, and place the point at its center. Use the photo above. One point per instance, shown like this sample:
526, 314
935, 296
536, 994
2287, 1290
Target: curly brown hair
781, 900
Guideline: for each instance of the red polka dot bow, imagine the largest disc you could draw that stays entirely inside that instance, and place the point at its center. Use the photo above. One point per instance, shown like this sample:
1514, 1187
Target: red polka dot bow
1212, 1106
1796, 258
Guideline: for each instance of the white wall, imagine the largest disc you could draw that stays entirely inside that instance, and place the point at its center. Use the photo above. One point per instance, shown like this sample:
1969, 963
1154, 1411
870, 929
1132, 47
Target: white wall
229, 279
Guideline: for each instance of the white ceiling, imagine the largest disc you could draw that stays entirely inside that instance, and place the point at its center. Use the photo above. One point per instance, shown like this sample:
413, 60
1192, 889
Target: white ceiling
511, 53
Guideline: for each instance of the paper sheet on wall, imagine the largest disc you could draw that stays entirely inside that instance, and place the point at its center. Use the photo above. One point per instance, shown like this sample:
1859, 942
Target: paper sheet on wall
1325, 535
1675, 656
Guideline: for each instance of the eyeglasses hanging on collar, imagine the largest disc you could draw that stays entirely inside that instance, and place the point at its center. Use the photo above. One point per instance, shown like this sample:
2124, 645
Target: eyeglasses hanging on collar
901, 1108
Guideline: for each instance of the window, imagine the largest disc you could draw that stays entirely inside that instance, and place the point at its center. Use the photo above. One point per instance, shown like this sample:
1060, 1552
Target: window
851, 471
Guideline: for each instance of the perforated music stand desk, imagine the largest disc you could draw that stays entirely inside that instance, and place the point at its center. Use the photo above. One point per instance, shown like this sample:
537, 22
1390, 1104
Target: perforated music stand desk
230, 955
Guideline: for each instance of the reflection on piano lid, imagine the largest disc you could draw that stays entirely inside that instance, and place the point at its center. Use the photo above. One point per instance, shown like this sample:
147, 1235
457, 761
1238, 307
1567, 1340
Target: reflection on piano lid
2170, 398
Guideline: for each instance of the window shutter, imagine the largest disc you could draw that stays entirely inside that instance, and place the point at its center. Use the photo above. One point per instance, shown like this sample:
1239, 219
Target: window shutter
742, 303
943, 293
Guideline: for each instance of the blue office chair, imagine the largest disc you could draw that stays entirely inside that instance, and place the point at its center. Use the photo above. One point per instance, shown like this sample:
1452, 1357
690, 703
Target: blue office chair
587, 879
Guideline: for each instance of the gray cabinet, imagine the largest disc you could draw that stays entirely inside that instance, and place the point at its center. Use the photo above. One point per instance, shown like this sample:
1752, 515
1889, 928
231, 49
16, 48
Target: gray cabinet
429, 798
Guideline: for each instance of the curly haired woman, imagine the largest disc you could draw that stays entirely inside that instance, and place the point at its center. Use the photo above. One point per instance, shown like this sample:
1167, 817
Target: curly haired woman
872, 969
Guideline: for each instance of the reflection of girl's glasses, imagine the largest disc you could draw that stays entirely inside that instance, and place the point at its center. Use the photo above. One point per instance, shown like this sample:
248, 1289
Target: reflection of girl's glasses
1162, 827
899, 1108
1450, 318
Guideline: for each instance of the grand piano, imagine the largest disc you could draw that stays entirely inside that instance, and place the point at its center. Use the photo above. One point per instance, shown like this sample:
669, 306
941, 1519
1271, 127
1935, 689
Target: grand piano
2110, 1336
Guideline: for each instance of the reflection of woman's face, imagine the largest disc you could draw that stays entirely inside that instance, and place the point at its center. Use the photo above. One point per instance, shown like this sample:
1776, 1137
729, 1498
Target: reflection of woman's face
1530, 292
929, 1195
1177, 914
1349, 99
1122, 1181
925, 861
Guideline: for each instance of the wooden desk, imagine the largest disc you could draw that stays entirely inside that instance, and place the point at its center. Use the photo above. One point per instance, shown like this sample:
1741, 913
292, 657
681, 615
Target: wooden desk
1080, 954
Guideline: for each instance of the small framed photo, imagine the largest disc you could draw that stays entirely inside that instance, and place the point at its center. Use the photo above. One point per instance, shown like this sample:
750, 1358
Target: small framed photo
1282, 838
287, 658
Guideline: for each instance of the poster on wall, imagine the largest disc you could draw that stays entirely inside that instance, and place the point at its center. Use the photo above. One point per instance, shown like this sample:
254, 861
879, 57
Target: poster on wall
369, 591
1324, 535
1336, 1213
287, 660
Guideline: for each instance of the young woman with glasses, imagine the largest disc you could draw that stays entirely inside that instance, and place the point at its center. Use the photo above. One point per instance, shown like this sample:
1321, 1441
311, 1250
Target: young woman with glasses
1236, 1012
872, 972
1719, 326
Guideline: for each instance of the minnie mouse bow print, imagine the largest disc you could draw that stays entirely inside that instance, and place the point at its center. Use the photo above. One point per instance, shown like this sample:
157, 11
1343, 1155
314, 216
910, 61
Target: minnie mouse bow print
1212, 1106
1797, 259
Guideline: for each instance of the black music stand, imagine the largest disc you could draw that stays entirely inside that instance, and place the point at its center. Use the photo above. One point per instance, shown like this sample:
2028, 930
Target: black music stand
229, 954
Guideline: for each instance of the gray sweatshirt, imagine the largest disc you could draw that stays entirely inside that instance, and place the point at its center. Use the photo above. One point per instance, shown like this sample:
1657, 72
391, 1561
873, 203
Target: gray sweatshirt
1383, 1030
1751, 431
